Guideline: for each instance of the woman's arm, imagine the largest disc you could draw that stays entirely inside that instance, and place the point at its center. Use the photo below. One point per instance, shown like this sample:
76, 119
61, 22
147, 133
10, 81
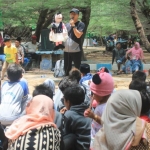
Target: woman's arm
129, 51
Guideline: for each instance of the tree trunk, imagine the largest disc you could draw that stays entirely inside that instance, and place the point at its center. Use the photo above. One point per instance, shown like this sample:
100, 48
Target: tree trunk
86, 12
40, 23
139, 26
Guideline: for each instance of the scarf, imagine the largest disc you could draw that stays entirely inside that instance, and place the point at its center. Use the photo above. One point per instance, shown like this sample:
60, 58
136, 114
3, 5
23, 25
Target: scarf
39, 112
122, 127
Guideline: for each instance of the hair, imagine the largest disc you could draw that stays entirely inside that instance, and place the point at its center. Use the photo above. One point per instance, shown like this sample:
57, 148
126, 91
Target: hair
118, 43
43, 89
66, 82
145, 96
74, 94
137, 85
14, 72
139, 75
75, 74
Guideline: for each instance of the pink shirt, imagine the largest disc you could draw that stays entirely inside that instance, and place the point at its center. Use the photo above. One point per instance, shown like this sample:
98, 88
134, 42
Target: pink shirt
136, 54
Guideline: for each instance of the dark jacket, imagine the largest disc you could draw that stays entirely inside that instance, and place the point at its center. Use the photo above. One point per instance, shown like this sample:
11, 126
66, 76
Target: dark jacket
76, 123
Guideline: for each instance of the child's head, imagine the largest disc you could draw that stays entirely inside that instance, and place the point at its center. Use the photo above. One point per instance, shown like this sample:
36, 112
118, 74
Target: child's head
84, 69
75, 74
7, 41
102, 86
66, 82
73, 95
139, 75
137, 85
14, 72
43, 89
51, 84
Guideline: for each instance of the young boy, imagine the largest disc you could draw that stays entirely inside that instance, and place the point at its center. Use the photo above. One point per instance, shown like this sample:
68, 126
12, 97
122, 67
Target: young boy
75, 123
14, 96
11, 55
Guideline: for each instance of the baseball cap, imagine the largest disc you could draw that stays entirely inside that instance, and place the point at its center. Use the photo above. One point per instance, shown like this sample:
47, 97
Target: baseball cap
6, 38
75, 11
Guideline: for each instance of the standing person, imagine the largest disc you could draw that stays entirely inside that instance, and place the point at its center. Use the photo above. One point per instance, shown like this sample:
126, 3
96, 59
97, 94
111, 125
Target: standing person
73, 46
20, 51
11, 55
2, 55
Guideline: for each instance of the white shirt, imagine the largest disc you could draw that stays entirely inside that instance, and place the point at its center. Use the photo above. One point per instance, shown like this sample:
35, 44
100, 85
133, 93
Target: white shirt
32, 48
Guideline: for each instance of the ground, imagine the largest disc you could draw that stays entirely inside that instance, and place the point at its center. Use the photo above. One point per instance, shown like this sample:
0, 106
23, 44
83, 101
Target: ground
37, 76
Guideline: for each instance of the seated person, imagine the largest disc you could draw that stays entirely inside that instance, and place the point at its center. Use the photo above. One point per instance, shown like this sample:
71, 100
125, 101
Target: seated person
46, 90
36, 130
135, 60
86, 77
75, 122
20, 51
14, 96
2, 55
32, 47
118, 55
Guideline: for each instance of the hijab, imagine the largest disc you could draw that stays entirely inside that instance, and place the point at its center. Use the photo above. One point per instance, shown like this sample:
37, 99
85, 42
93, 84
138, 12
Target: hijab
39, 112
122, 127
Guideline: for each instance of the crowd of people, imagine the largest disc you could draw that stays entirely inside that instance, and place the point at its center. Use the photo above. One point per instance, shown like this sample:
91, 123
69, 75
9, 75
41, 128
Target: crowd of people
85, 113
88, 114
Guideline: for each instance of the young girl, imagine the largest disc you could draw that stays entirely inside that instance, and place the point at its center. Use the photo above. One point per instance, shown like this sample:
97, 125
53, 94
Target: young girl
102, 86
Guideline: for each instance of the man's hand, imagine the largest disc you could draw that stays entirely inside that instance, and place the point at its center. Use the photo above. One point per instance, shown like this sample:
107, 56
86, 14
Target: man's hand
72, 22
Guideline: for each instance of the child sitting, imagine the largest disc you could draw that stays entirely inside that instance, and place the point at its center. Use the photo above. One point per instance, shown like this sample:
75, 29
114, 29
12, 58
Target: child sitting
102, 86
14, 96
75, 122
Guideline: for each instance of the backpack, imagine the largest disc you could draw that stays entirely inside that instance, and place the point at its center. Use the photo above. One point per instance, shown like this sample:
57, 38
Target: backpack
59, 69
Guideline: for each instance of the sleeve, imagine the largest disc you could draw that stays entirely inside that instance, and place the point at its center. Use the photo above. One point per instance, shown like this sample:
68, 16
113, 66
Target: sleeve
22, 51
24, 87
81, 26
129, 51
67, 124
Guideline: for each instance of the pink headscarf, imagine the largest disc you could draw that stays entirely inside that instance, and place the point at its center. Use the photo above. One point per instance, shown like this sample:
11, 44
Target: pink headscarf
39, 112
136, 53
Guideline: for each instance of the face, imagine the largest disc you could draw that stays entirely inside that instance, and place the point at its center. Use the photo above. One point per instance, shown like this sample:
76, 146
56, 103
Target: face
97, 98
67, 104
118, 46
136, 46
8, 43
33, 41
74, 16
17, 43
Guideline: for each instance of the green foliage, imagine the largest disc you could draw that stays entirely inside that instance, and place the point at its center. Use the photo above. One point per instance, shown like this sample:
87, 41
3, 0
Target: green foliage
107, 16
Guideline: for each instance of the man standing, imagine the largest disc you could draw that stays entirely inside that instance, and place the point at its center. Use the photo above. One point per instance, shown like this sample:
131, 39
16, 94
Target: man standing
73, 46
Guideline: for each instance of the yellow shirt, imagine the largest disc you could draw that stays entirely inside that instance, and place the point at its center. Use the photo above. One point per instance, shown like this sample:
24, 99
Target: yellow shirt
10, 53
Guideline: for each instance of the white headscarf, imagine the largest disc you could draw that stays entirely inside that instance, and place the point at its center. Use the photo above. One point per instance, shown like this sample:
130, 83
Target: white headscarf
50, 83
122, 126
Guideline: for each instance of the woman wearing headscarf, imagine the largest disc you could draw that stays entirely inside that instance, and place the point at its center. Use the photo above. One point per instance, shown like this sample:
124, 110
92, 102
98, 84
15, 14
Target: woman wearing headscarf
136, 56
36, 130
122, 127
